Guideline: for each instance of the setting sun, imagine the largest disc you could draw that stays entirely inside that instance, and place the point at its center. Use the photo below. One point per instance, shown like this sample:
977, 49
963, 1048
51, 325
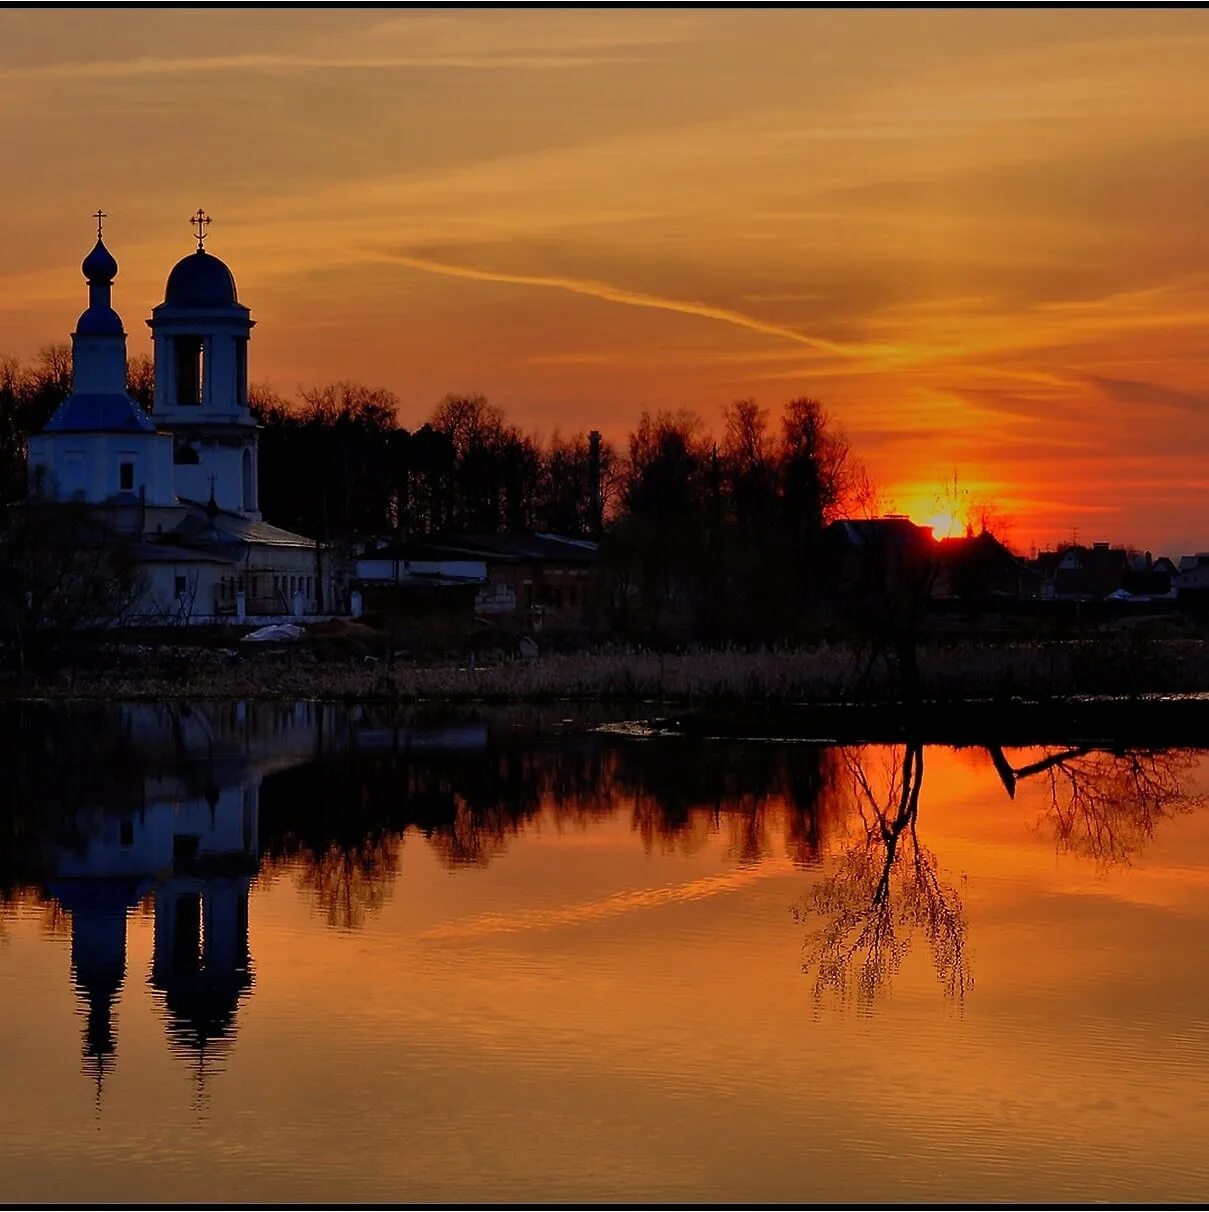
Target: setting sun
944, 525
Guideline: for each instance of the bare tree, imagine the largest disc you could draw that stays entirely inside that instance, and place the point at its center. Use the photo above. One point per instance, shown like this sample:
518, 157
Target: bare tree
62, 572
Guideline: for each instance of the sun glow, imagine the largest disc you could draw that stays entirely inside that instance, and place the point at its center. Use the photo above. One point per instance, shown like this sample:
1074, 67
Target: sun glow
944, 525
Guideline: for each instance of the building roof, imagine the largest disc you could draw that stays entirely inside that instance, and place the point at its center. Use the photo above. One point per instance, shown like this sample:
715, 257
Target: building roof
99, 265
540, 546
498, 547
422, 549
86, 412
862, 532
206, 524
200, 280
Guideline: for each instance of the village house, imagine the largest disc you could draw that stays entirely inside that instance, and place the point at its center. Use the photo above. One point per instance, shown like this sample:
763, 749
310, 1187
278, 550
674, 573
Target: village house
1088, 573
979, 567
534, 581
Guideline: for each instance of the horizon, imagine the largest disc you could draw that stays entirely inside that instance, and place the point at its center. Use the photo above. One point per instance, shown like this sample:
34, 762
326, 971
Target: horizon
977, 237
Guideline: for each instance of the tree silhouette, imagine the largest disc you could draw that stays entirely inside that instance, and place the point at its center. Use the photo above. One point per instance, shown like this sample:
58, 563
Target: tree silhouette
885, 888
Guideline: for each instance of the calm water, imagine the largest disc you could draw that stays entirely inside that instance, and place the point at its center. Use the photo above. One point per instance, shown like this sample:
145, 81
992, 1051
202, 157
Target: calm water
302, 954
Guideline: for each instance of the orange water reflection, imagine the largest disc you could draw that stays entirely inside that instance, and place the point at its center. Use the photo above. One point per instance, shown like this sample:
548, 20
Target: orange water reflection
479, 963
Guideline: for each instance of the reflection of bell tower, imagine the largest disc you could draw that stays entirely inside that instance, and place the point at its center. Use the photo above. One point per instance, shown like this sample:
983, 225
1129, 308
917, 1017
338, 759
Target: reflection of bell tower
201, 964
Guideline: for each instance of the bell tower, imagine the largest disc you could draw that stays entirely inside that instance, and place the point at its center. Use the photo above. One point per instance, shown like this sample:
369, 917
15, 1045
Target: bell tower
201, 333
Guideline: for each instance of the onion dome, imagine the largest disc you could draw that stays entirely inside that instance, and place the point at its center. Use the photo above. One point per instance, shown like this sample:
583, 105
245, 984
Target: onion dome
200, 280
99, 266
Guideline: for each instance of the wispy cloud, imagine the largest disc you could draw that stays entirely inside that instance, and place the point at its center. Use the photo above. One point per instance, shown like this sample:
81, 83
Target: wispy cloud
128, 69
635, 298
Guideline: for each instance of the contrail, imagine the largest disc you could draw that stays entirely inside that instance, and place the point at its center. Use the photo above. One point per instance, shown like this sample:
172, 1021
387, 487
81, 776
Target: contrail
124, 69
633, 298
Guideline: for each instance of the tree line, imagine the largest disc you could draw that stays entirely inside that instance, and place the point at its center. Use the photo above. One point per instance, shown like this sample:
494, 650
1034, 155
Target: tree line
709, 533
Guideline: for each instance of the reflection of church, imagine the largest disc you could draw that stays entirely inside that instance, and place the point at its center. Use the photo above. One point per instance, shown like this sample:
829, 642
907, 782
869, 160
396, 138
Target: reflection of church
182, 487
196, 857
190, 849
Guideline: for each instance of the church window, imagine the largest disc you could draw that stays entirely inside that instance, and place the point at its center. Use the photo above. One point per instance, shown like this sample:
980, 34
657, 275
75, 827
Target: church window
241, 372
181, 587
125, 477
249, 487
127, 833
190, 369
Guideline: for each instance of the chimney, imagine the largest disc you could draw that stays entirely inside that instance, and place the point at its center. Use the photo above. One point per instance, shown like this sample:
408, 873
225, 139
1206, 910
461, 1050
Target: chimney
595, 518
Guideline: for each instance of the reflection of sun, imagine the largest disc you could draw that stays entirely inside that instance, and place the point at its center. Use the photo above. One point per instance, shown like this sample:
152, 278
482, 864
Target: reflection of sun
944, 525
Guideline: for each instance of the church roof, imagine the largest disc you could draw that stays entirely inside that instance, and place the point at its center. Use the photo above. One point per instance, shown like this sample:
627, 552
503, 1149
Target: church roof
235, 527
200, 280
99, 265
99, 319
85, 412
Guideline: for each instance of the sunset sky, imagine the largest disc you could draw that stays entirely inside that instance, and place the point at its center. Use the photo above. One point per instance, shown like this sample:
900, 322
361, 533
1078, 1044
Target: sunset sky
981, 238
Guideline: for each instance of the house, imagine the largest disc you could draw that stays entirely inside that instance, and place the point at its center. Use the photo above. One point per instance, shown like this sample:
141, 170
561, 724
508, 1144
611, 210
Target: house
179, 489
1191, 579
1147, 577
536, 580
418, 578
1090, 573
858, 551
978, 567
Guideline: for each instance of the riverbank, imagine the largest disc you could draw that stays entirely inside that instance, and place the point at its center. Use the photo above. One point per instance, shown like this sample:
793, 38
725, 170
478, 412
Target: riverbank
950, 673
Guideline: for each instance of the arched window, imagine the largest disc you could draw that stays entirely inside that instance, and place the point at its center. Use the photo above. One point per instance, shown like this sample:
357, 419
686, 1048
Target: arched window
189, 353
249, 486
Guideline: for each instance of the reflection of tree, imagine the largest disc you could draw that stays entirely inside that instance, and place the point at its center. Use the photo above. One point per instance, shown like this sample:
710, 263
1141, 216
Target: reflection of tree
1105, 805
886, 886
683, 792
350, 882
884, 889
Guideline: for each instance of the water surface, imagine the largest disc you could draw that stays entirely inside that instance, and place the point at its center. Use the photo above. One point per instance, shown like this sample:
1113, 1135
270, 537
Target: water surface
301, 953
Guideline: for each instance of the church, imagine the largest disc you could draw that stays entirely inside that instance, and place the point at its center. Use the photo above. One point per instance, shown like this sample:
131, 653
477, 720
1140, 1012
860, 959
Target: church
181, 485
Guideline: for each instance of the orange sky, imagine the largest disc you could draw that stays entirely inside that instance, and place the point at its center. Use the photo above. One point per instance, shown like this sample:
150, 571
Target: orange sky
980, 237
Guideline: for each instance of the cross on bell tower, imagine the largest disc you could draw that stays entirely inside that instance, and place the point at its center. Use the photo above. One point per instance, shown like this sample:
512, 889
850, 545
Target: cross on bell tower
201, 221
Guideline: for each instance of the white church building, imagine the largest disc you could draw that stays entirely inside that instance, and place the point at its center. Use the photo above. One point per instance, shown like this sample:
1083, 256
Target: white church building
182, 485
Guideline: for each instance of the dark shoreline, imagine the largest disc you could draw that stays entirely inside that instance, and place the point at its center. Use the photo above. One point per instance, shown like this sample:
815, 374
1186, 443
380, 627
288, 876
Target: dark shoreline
1144, 721
1102, 689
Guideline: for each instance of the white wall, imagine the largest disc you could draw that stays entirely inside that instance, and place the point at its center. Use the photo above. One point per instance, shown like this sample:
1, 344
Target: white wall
371, 568
225, 464
85, 466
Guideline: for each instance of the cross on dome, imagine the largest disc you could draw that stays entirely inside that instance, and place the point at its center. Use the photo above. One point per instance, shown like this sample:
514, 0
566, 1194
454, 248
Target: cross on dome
201, 221
100, 214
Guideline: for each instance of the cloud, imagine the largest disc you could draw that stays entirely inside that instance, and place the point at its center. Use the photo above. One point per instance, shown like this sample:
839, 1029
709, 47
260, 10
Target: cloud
1132, 391
634, 298
127, 69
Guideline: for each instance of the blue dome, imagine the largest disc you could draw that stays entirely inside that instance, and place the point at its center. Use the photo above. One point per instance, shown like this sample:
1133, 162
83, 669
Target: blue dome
99, 320
99, 265
200, 280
